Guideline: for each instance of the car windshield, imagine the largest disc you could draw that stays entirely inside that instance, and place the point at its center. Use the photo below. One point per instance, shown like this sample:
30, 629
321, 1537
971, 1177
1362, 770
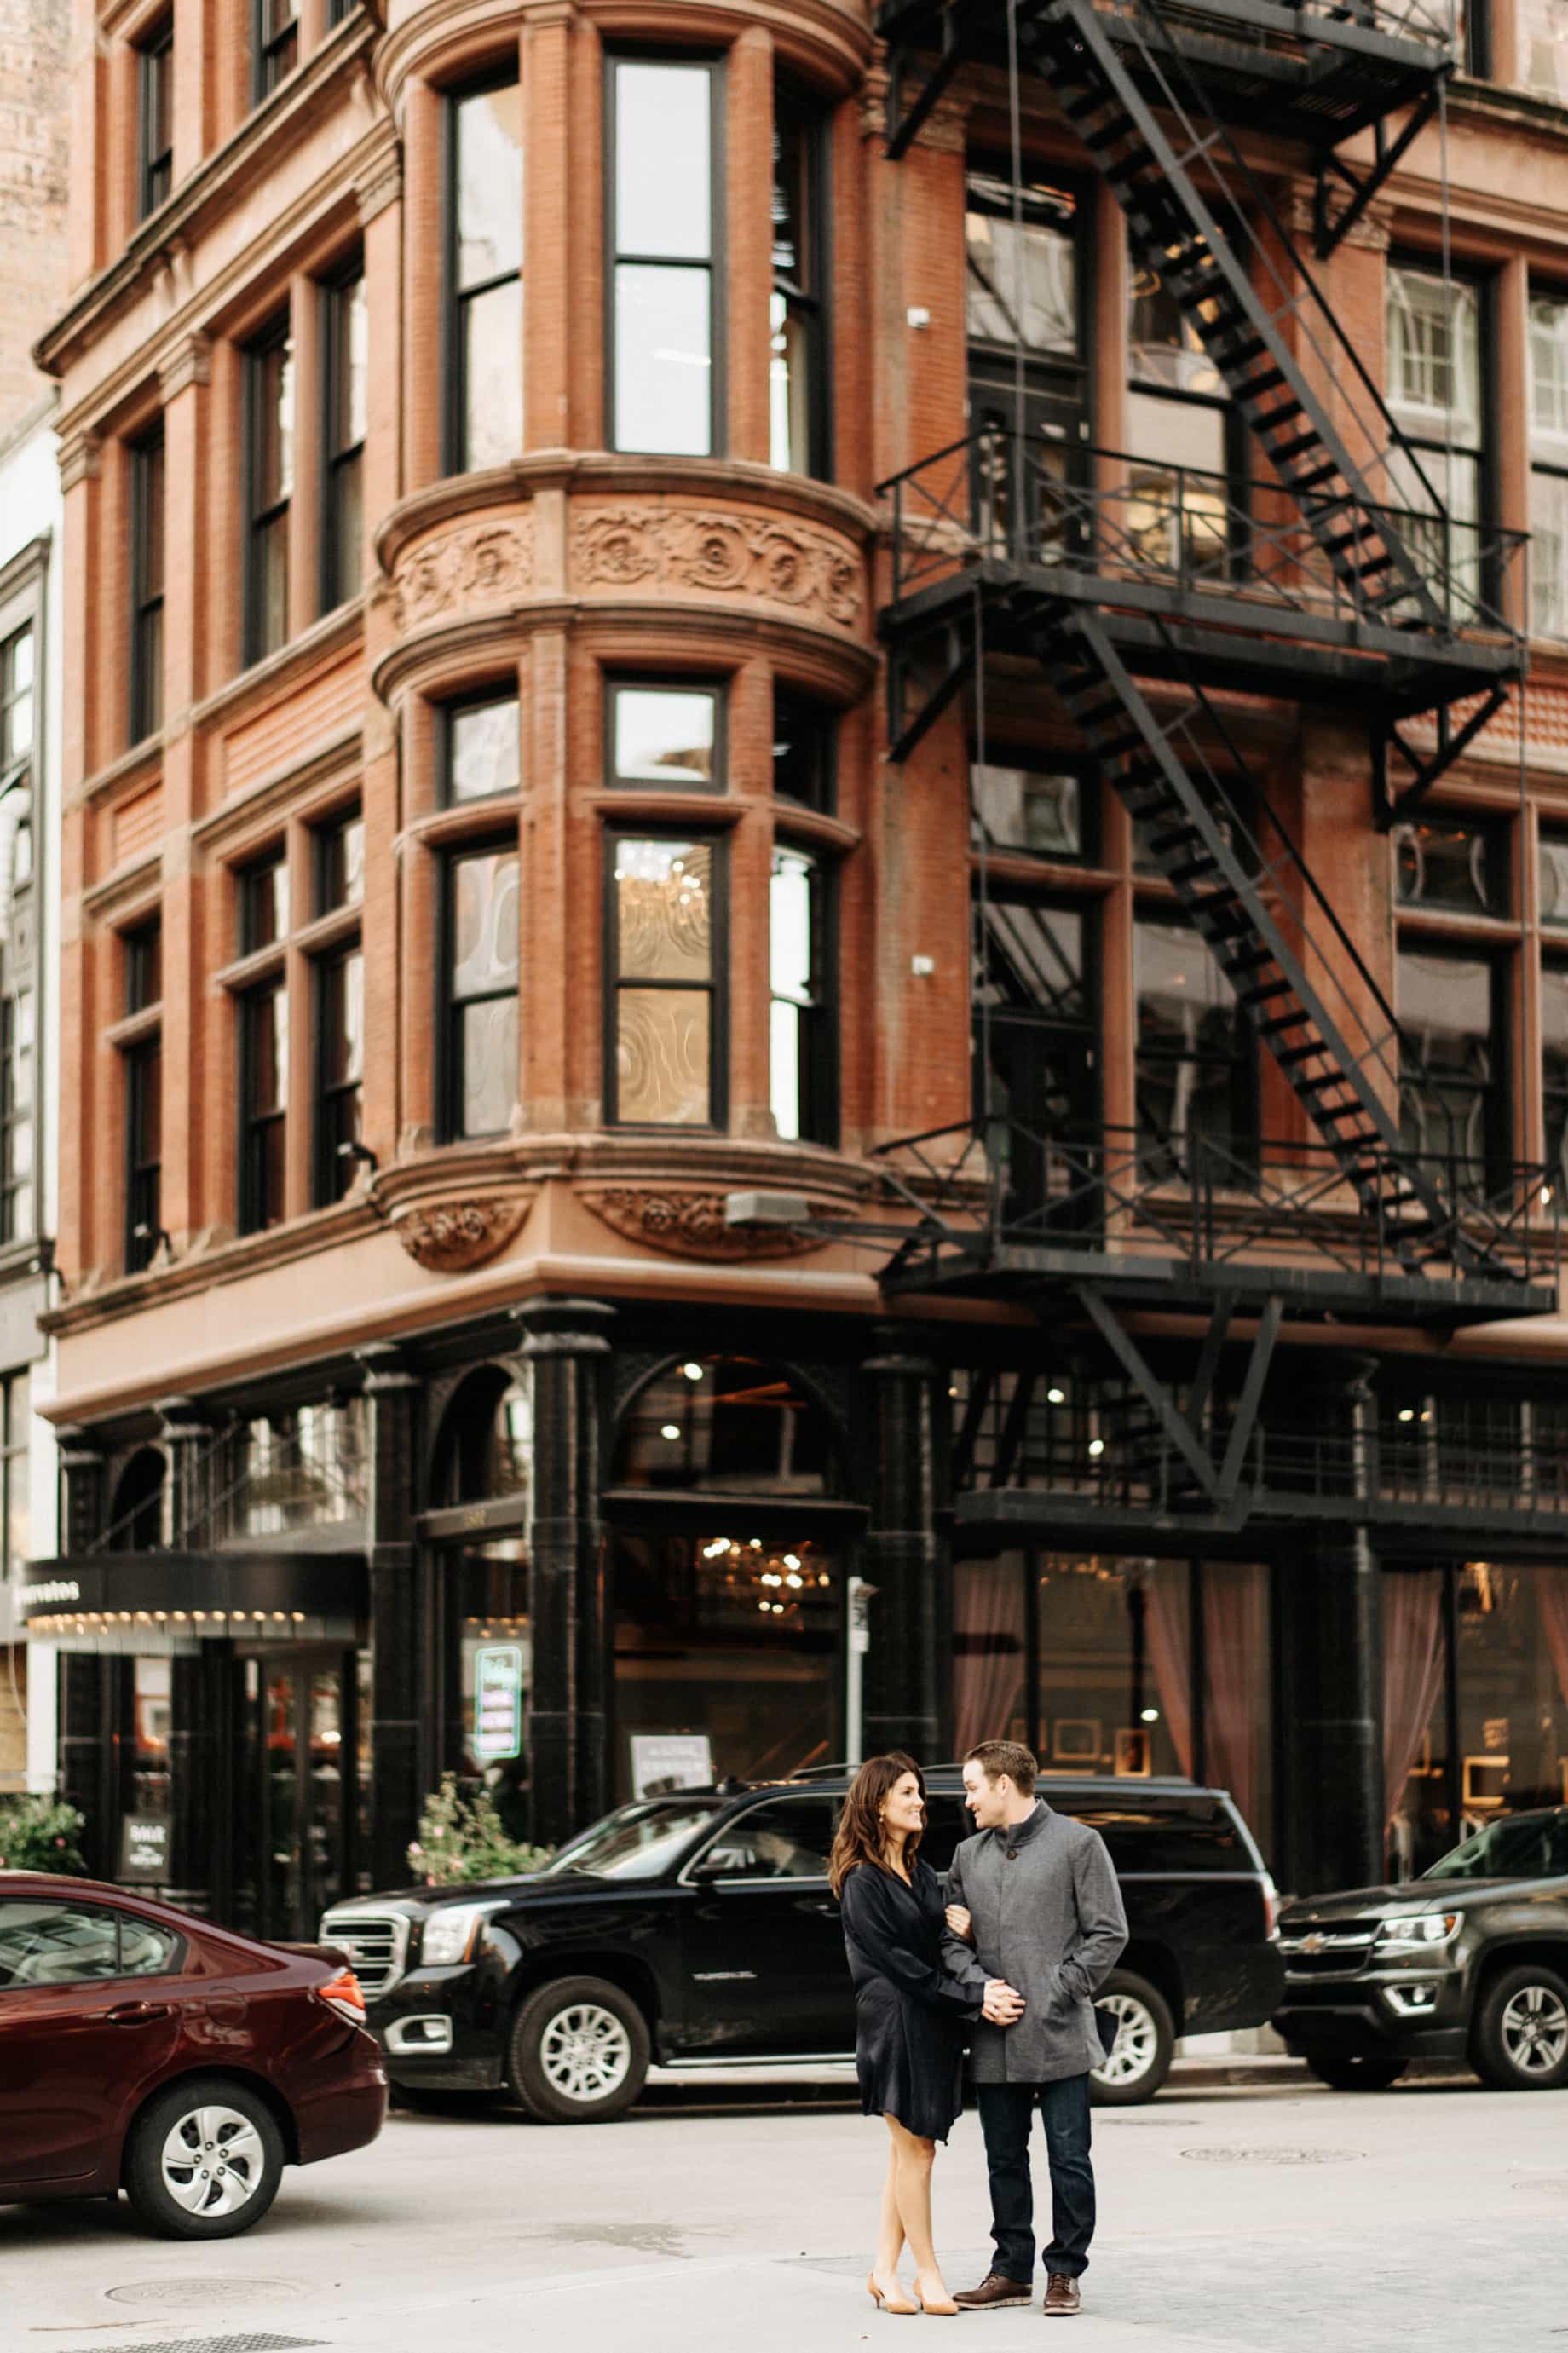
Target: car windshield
1519, 1846
637, 1842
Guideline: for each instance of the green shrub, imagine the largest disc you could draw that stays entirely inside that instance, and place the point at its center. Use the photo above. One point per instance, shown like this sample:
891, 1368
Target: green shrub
462, 1837
40, 1834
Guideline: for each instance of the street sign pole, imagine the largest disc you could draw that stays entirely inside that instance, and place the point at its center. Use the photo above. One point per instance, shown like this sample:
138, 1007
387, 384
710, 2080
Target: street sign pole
858, 1595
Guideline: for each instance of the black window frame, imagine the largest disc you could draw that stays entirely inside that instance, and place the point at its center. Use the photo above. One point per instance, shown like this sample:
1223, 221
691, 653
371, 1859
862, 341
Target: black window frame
1058, 386
1180, 1156
620, 682
1498, 1094
716, 985
1553, 470
1554, 1095
447, 713
345, 461
251, 1007
11, 695
19, 1111
273, 56
1034, 760
1223, 555
1483, 282
327, 839
149, 491
262, 521
154, 164
337, 1105
142, 955
455, 342
143, 1167
715, 66
818, 724
15, 1440
810, 301
449, 1006
248, 882
819, 1044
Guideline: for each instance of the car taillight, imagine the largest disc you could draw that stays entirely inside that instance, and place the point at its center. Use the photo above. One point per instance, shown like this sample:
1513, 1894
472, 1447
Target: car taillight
344, 1994
1271, 1907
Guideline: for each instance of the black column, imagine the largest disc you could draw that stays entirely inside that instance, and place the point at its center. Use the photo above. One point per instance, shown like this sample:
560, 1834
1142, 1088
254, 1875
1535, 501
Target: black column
198, 1829
1330, 1731
906, 1697
399, 1647
569, 1610
87, 1690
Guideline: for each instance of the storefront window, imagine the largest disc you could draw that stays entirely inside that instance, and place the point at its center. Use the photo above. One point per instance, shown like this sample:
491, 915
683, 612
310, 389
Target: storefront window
486, 1446
726, 1425
302, 1470
487, 1586
1416, 1780
152, 1692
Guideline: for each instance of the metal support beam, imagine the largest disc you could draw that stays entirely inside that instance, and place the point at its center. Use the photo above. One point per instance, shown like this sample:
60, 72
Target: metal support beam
1140, 1372
1251, 1396
1451, 743
904, 124
1328, 232
907, 734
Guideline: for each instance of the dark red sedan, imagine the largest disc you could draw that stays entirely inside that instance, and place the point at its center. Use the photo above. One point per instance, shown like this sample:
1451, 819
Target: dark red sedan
145, 2051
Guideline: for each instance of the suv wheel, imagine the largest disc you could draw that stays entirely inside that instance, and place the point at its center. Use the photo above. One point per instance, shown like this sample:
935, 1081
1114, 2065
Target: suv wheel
1353, 2070
1521, 2038
579, 2051
205, 2160
1140, 2058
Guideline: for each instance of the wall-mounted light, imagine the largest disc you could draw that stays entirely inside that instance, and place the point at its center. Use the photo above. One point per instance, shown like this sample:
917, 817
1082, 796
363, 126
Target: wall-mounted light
159, 1236
353, 1150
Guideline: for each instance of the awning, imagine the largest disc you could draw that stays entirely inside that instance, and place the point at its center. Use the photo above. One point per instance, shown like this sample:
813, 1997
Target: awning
191, 1596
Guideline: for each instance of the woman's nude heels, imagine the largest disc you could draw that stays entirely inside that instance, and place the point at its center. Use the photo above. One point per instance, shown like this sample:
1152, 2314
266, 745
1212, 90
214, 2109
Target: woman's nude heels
943, 2307
886, 2304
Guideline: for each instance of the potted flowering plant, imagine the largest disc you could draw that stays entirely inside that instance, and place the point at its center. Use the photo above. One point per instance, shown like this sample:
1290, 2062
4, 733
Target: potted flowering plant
462, 1837
38, 1833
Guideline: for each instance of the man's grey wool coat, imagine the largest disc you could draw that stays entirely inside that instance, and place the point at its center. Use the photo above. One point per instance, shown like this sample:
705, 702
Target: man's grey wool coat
1047, 1917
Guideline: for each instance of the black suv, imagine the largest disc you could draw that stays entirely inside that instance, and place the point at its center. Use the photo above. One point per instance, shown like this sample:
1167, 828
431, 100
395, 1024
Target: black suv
697, 1930
1469, 1961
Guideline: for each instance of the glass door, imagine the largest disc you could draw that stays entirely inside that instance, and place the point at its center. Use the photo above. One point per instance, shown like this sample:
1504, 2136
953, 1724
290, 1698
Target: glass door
300, 1740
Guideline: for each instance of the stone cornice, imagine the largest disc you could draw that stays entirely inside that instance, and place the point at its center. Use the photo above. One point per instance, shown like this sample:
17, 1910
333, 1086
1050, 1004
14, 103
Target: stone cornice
190, 362
81, 459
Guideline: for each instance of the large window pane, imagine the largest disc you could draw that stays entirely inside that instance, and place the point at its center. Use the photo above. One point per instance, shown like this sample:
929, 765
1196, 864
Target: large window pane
487, 1052
484, 753
800, 1023
1196, 1065
1452, 1097
1435, 393
664, 359
488, 193
662, 735
485, 425
1021, 274
1549, 462
482, 988
1554, 1065
492, 375
664, 982
663, 178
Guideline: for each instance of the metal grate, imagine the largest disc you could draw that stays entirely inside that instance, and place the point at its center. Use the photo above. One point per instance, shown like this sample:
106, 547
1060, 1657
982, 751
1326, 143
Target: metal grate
250, 2343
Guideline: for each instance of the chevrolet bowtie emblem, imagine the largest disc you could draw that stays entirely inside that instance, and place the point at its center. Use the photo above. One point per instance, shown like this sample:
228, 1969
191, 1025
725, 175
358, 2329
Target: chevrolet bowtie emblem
1314, 1943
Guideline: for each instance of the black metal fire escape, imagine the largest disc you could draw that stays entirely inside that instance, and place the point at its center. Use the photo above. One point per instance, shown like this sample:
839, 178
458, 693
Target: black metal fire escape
1342, 581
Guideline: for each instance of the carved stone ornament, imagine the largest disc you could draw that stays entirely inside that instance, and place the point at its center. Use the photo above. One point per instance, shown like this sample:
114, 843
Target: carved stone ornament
727, 555
482, 564
453, 1236
690, 1225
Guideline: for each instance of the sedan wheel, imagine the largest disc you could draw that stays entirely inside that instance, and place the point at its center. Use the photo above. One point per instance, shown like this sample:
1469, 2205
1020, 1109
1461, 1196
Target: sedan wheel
579, 2051
203, 2161
1522, 2031
1140, 2058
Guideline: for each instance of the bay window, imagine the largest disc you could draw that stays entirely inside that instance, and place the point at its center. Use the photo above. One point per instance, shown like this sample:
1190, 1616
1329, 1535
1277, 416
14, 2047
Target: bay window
480, 973
485, 375
797, 374
801, 1042
664, 238
1549, 465
269, 437
664, 1031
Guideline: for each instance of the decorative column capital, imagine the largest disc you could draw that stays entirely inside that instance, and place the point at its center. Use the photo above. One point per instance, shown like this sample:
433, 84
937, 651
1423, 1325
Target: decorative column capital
190, 362
564, 1327
385, 1374
79, 1449
81, 459
381, 185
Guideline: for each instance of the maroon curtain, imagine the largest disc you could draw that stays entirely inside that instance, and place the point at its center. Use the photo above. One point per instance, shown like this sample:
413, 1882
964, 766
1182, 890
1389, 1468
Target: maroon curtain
1167, 1621
1414, 1651
988, 1648
1237, 1659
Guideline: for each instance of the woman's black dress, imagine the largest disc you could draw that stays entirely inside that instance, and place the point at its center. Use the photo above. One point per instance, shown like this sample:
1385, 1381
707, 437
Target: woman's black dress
909, 2013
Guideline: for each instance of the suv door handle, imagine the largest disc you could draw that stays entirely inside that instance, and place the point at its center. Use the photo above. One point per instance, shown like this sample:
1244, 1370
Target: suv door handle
136, 2013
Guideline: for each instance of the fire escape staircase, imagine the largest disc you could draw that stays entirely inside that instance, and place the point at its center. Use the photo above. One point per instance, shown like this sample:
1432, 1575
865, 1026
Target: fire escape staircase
1148, 87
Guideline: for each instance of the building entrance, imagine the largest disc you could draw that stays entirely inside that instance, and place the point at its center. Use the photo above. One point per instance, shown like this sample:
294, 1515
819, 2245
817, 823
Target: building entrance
297, 1748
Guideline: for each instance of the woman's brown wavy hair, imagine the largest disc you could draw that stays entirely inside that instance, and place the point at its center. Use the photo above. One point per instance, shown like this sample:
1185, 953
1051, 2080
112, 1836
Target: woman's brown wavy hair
859, 1837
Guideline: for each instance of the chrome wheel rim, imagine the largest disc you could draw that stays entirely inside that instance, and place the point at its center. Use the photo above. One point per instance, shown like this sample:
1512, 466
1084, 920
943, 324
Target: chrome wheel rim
585, 2052
1137, 2043
212, 2161
1535, 2030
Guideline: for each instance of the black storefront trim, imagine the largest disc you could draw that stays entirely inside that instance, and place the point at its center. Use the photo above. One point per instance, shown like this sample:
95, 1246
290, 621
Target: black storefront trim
313, 1585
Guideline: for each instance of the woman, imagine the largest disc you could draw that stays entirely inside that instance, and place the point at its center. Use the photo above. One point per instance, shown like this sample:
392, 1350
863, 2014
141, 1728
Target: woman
908, 2014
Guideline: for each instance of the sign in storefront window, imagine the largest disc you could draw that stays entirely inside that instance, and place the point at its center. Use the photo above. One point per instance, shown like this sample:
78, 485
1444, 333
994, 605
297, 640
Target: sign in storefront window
498, 1702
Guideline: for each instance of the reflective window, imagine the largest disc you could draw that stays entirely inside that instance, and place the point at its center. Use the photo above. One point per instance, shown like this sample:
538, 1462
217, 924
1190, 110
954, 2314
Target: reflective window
804, 748
264, 1106
263, 904
1435, 392
1549, 456
797, 373
664, 984
484, 426
802, 1078
147, 588
46, 1942
1196, 1063
1554, 1064
1034, 809
1028, 385
15, 1502
1182, 511
1457, 865
270, 395
665, 735
788, 1838
482, 971
483, 749
276, 44
347, 388
727, 1426
485, 1446
155, 112
340, 864
301, 1469
662, 234
339, 1050
640, 1841
144, 1068
18, 1043
1453, 1095
17, 689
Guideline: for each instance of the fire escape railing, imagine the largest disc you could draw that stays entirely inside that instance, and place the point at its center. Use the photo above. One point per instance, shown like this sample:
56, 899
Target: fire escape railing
1119, 520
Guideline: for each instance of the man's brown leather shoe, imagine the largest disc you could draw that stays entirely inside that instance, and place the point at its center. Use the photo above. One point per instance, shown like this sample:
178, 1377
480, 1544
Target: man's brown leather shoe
1062, 2296
994, 2291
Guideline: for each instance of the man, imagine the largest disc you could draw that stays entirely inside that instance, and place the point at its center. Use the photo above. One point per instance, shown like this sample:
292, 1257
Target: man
1033, 1899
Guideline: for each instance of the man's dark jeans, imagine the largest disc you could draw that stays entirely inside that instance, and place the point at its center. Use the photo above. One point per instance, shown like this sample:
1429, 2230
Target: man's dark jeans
1007, 2113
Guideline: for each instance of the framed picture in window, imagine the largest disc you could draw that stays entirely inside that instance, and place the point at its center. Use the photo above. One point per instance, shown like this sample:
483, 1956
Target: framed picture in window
1486, 1783
1132, 1753
1076, 1740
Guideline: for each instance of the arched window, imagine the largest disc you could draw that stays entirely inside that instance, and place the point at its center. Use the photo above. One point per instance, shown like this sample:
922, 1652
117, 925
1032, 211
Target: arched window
136, 1521
727, 1426
486, 1446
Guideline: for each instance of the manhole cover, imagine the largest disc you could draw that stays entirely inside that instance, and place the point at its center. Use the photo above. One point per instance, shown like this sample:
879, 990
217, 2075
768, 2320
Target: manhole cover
1270, 2156
168, 2295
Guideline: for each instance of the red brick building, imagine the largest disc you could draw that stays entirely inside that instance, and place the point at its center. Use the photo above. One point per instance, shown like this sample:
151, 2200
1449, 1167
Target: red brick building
526, 786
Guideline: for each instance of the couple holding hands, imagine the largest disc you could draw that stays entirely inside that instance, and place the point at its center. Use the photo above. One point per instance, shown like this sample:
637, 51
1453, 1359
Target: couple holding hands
1032, 1926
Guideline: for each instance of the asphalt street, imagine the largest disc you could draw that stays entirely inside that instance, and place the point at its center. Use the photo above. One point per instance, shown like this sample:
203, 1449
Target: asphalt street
1237, 2218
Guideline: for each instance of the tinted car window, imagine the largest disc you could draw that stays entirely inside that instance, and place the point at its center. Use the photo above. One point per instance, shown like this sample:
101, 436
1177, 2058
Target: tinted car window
1521, 1846
637, 1842
788, 1838
946, 1823
145, 1949
44, 1942
1181, 1837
